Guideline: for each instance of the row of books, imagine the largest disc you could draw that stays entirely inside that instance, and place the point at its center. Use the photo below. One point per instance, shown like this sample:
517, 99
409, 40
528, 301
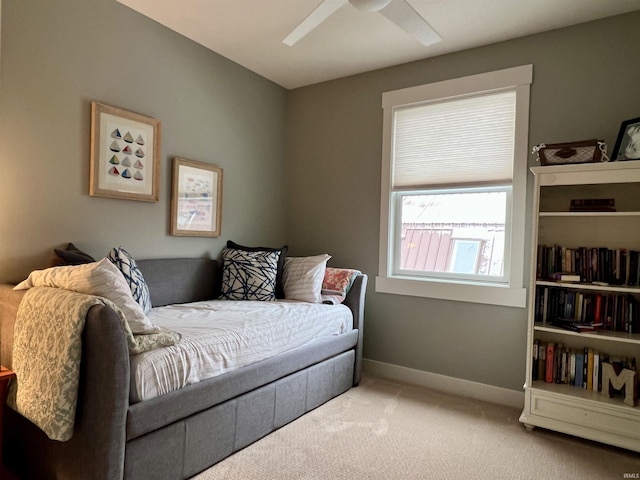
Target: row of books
619, 266
555, 363
592, 205
587, 310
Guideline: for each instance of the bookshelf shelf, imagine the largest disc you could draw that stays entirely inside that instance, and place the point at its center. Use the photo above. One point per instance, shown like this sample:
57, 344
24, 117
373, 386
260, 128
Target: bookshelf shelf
591, 287
604, 335
581, 393
589, 214
601, 245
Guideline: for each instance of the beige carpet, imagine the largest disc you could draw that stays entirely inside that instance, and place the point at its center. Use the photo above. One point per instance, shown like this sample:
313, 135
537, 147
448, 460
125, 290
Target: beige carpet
387, 430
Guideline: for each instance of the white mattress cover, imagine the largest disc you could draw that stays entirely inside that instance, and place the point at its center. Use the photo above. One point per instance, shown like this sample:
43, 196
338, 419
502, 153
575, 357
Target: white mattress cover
223, 335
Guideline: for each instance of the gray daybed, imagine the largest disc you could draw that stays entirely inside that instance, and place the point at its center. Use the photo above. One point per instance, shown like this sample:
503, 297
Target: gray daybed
181, 433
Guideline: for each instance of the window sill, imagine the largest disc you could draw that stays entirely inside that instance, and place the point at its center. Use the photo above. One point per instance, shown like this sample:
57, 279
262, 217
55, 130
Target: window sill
462, 292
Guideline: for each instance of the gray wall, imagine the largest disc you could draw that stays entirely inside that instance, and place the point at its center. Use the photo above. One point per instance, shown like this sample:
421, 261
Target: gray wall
585, 84
58, 56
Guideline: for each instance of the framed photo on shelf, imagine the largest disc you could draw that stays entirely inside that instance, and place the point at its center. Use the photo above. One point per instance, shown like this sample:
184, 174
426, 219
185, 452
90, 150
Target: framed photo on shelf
125, 154
628, 141
196, 199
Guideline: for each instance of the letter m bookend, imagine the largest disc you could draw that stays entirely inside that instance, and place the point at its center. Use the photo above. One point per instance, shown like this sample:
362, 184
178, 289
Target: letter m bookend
613, 381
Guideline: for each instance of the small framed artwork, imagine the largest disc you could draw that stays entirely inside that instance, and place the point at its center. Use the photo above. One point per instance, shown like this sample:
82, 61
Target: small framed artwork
125, 154
196, 199
628, 141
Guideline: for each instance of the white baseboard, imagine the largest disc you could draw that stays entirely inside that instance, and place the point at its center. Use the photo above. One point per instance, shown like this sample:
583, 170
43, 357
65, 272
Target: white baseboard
435, 381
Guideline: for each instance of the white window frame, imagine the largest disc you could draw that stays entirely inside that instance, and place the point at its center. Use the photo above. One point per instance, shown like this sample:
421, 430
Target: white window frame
512, 293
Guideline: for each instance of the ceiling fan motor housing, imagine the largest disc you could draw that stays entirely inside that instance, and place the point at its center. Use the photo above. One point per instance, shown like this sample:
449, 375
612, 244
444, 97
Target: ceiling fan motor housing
399, 12
369, 5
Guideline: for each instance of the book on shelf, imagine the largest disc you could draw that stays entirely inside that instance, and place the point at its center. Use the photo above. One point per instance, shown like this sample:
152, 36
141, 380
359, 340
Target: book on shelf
590, 369
563, 369
571, 365
545, 306
585, 367
579, 366
592, 205
596, 370
536, 347
575, 326
542, 360
549, 367
569, 304
557, 363
566, 277
597, 308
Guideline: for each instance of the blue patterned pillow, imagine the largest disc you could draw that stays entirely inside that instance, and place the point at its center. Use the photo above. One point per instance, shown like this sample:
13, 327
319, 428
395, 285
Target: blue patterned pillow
249, 275
132, 274
283, 253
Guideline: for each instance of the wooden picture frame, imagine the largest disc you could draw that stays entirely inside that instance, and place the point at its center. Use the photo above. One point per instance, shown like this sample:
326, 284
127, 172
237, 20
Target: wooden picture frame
125, 154
628, 142
196, 199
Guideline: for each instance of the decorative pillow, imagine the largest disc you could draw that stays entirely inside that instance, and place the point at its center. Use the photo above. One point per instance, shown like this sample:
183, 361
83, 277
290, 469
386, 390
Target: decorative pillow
71, 255
132, 274
337, 282
283, 253
249, 275
302, 279
102, 279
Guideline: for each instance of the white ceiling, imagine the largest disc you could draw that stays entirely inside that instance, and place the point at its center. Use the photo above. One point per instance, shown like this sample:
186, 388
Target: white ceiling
250, 32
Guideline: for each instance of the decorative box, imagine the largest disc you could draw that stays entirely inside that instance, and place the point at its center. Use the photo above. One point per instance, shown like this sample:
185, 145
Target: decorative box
586, 151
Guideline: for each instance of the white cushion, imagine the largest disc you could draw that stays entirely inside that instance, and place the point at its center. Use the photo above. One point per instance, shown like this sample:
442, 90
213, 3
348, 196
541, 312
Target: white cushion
102, 279
302, 277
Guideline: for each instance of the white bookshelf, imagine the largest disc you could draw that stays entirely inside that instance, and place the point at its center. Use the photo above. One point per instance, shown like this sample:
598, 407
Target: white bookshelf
559, 406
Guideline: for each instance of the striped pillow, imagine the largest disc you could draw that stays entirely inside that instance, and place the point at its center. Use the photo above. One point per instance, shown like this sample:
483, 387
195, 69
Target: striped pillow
302, 278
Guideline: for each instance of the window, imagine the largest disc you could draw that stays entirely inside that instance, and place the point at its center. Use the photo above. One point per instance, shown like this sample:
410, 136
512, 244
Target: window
454, 189
440, 230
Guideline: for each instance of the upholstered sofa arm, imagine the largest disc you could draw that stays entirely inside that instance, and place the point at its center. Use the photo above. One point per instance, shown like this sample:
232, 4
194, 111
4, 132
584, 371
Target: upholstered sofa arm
355, 301
97, 448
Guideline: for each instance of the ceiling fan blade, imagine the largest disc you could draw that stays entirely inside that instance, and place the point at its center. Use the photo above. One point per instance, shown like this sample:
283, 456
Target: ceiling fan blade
403, 15
315, 18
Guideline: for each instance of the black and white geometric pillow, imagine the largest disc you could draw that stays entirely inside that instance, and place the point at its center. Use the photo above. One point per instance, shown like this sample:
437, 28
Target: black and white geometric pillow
132, 274
249, 275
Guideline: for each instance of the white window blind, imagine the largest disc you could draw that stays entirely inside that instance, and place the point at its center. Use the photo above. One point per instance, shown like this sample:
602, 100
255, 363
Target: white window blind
456, 141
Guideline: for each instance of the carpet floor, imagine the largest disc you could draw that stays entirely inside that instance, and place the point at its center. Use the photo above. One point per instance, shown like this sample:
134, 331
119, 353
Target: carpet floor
388, 430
